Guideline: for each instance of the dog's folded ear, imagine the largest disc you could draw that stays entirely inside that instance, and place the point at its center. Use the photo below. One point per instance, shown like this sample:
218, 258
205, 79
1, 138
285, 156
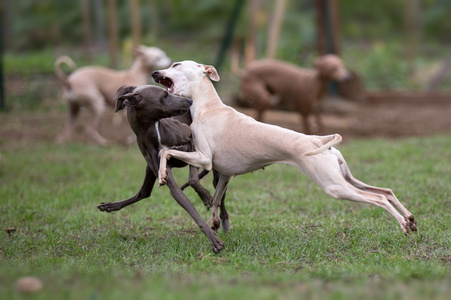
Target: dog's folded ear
211, 71
137, 50
122, 96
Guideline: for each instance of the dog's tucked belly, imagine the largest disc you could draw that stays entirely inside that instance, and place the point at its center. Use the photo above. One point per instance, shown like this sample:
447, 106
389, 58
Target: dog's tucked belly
231, 162
264, 145
232, 168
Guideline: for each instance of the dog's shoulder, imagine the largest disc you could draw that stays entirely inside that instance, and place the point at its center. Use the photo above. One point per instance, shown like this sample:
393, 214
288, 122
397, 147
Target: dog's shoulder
174, 132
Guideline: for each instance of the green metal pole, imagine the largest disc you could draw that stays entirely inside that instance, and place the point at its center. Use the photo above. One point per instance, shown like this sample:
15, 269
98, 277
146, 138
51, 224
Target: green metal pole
2, 36
228, 35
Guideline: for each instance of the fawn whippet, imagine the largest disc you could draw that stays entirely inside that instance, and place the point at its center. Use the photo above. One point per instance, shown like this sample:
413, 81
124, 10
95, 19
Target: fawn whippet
233, 143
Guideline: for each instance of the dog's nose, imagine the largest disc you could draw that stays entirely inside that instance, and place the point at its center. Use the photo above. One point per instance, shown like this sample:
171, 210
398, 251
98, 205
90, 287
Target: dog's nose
155, 74
190, 101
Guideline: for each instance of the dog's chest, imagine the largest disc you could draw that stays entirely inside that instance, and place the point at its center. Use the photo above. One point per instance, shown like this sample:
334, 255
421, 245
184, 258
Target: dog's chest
170, 133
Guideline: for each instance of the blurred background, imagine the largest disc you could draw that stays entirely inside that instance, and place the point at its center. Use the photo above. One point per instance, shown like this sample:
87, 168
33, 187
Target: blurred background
399, 48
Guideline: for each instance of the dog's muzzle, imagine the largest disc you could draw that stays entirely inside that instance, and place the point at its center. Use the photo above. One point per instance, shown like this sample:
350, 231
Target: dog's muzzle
155, 75
166, 81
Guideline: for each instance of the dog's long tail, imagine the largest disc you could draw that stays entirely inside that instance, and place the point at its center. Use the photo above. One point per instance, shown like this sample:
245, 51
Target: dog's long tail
59, 73
330, 141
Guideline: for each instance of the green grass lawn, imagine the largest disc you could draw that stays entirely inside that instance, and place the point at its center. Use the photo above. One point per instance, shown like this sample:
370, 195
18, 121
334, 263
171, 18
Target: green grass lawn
288, 240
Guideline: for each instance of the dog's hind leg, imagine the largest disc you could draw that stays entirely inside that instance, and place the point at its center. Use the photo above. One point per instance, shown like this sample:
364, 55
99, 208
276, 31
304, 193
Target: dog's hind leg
224, 215
183, 201
194, 182
144, 192
305, 107
388, 193
74, 110
319, 121
218, 200
97, 107
349, 192
325, 170
305, 122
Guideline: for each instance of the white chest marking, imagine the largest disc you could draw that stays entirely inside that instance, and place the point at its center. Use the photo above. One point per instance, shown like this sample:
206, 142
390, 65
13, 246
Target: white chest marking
160, 146
157, 128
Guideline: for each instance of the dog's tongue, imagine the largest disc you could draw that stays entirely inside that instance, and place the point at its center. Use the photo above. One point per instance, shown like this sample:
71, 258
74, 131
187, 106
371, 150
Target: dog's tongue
168, 84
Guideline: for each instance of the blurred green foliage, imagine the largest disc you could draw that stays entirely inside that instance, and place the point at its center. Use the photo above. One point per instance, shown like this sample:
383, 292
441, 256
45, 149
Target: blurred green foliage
373, 35
37, 24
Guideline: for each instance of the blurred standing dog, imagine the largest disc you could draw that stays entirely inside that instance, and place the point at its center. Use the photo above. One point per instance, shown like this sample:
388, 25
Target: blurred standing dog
94, 87
297, 88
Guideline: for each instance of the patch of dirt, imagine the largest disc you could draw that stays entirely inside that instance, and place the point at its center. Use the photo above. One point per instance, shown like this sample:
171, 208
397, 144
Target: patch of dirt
395, 119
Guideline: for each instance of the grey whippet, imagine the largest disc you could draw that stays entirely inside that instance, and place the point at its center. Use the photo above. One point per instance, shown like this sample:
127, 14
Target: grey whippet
160, 120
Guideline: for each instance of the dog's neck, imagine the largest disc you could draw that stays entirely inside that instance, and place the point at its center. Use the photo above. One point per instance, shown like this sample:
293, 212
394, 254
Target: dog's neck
139, 67
204, 97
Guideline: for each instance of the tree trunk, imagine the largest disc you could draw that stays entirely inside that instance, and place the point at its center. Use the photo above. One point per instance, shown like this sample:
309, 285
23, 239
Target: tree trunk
86, 23
274, 29
249, 50
113, 33
135, 22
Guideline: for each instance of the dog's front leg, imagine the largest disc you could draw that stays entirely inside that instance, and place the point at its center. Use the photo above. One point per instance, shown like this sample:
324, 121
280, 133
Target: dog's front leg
144, 192
217, 200
180, 197
196, 159
194, 182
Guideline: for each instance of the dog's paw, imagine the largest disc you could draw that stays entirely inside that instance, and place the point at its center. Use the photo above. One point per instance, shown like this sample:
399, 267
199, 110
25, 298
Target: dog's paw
102, 206
411, 223
215, 224
208, 203
108, 207
216, 244
162, 179
225, 225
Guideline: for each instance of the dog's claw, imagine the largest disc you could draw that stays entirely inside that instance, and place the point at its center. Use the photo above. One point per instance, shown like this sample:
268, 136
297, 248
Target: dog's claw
217, 245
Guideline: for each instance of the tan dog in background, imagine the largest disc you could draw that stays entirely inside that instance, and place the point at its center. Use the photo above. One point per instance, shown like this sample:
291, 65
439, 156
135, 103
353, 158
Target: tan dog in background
93, 87
297, 88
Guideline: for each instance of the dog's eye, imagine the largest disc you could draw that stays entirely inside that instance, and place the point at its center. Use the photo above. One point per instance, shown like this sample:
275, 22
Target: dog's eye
175, 65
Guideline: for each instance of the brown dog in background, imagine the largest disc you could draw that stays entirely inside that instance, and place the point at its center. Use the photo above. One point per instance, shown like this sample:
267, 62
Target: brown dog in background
93, 87
297, 88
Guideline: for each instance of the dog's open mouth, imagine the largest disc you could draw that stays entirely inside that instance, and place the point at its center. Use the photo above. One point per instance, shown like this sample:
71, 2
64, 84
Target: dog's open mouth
167, 82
